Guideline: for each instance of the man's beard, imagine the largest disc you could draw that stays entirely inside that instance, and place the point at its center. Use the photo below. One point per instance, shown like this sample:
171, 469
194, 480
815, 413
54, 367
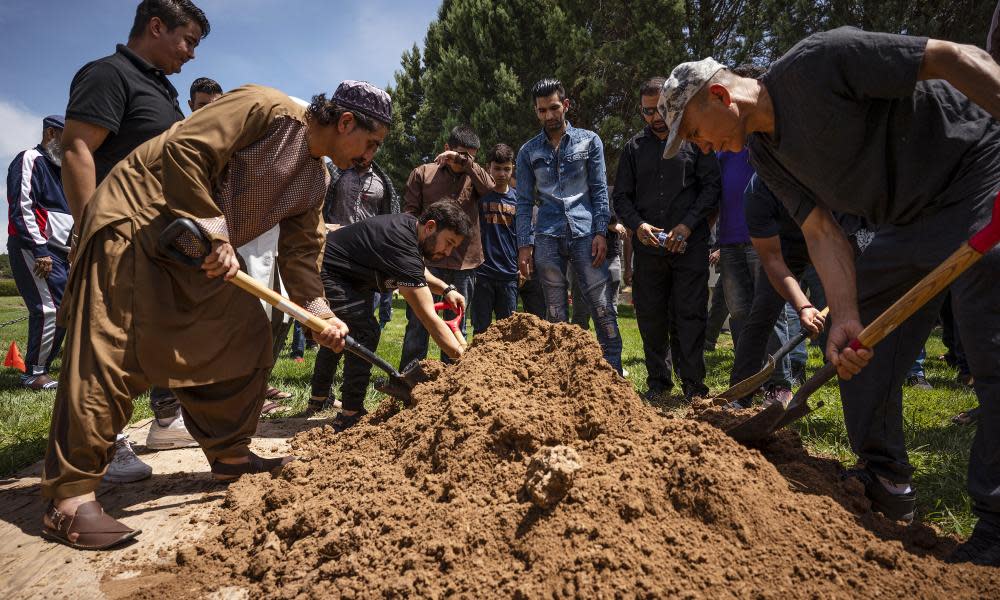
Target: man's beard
660, 127
555, 124
54, 149
427, 246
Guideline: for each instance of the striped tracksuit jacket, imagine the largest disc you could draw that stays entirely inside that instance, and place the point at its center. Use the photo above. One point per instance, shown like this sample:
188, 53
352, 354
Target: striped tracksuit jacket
39, 225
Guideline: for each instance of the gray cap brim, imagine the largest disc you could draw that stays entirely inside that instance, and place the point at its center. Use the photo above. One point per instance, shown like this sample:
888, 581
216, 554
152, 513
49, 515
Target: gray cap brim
674, 139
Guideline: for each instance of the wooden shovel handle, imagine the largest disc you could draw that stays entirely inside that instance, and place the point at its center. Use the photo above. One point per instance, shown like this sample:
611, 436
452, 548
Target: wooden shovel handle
251, 285
933, 283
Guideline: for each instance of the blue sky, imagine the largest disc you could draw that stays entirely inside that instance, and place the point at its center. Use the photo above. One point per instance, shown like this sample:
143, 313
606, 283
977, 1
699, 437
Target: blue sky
301, 47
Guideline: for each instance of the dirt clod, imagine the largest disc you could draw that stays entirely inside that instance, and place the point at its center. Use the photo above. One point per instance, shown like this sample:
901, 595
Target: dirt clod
431, 502
550, 475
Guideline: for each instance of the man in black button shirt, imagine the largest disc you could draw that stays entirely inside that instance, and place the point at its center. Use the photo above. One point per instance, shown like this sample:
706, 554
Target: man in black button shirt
653, 195
115, 104
380, 254
902, 131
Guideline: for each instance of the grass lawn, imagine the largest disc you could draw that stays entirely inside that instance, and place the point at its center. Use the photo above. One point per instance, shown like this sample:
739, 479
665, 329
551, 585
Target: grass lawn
938, 449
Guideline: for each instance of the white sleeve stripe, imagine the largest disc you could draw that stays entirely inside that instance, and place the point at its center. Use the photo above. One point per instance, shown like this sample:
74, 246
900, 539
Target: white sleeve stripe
26, 203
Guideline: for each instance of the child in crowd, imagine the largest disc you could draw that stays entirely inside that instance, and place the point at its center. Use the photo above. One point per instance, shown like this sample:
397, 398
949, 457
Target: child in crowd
496, 279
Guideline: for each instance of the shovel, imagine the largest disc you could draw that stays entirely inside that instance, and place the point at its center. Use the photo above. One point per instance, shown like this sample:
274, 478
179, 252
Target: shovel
398, 385
750, 384
777, 415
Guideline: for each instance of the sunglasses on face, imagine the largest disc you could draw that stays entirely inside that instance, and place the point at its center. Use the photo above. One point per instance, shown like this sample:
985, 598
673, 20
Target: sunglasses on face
649, 112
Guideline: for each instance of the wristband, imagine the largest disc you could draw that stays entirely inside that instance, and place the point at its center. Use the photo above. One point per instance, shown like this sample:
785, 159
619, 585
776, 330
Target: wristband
450, 288
805, 306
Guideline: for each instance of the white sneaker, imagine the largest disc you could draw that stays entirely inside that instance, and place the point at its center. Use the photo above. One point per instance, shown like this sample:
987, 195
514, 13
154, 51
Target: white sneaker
169, 437
126, 467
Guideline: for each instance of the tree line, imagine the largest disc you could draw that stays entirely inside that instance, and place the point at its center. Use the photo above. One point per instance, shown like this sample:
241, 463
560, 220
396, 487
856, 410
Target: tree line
481, 57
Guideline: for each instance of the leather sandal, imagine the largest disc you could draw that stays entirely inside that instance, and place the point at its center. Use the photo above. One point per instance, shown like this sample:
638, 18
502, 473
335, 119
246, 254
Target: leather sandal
226, 472
95, 529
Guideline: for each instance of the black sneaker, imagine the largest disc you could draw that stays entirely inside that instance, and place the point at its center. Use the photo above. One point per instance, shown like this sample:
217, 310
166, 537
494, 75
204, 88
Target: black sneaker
655, 395
919, 382
343, 422
898, 507
982, 548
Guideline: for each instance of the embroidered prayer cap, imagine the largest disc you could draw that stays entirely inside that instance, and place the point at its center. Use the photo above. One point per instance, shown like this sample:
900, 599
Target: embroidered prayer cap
684, 82
365, 98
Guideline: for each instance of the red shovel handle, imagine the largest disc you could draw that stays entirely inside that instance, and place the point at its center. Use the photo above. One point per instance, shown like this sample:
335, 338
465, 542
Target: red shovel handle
453, 323
988, 236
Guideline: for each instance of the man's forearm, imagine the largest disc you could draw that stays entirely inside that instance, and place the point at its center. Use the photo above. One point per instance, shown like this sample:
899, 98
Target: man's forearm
435, 285
784, 282
833, 258
79, 178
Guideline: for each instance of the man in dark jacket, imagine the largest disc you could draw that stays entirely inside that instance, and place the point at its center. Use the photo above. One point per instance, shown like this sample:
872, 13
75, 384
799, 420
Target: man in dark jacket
655, 195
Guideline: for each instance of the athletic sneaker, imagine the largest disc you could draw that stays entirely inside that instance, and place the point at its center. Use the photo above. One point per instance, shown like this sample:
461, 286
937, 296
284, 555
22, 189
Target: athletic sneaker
779, 395
169, 437
982, 548
125, 466
898, 507
919, 382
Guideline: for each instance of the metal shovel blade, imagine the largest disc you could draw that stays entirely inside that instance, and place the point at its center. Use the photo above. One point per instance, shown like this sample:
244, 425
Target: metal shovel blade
750, 384
401, 386
763, 424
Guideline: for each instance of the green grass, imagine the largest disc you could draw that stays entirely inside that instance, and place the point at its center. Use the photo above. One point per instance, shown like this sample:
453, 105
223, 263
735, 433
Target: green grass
938, 449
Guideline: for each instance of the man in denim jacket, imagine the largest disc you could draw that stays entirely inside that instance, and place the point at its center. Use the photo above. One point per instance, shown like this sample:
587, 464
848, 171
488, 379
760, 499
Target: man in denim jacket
561, 170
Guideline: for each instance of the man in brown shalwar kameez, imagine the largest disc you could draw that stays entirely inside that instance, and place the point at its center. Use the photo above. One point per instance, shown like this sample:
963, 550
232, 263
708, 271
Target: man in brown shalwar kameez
134, 318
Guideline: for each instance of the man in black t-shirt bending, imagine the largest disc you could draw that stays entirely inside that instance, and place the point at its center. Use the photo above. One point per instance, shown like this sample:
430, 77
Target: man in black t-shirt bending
902, 131
383, 253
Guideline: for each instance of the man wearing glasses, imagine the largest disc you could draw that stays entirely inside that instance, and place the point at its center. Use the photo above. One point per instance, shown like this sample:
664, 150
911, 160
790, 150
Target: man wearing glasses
454, 175
656, 196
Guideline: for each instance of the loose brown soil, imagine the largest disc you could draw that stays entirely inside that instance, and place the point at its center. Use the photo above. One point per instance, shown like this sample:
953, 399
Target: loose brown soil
447, 499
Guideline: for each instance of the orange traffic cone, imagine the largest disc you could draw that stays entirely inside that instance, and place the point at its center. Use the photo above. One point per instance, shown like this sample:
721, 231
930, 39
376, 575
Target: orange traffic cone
14, 359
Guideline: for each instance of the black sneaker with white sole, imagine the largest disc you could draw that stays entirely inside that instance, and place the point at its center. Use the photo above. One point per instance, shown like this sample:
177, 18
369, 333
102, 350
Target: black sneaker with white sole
982, 548
898, 507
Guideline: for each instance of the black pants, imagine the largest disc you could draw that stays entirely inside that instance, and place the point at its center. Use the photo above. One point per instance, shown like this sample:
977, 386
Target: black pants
757, 340
532, 299
670, 294
354, 307
897, 258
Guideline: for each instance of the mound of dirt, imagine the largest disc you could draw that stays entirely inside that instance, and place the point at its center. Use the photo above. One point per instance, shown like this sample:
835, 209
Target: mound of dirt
531, 469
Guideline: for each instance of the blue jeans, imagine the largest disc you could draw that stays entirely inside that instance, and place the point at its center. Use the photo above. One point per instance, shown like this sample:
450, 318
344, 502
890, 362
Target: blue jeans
416, 338
552, 257
298, 340
917, 370
493, 297
738, 268
383, 304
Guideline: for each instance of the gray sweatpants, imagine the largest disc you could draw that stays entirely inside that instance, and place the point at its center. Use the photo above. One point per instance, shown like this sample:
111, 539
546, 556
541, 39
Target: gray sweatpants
898, 257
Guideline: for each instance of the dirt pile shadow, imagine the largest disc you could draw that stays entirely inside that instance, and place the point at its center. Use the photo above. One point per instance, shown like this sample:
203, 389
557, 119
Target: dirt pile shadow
531, 469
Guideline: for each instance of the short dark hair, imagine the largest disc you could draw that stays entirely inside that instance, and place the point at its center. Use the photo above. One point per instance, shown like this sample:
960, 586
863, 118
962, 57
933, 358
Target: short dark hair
500, 154
546, 87
652, 86
464, 136
205, 85
328, 112
173, 13
448, 215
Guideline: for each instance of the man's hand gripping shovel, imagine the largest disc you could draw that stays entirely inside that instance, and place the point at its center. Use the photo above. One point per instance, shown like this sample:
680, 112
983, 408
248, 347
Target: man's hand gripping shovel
398, 385
777, 415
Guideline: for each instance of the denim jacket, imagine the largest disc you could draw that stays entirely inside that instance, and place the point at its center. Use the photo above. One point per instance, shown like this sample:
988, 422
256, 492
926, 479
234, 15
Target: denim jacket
568, 184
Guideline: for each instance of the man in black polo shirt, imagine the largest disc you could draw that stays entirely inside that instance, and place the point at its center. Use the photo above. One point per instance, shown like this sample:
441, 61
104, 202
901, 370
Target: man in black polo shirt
115, 104
380, 254
902, 131
676, 196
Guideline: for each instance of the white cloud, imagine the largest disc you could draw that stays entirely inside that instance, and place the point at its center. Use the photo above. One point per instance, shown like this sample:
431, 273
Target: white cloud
21, 130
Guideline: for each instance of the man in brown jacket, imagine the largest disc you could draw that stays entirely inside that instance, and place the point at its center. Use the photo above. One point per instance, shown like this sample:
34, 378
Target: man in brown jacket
454, 175
134, 318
